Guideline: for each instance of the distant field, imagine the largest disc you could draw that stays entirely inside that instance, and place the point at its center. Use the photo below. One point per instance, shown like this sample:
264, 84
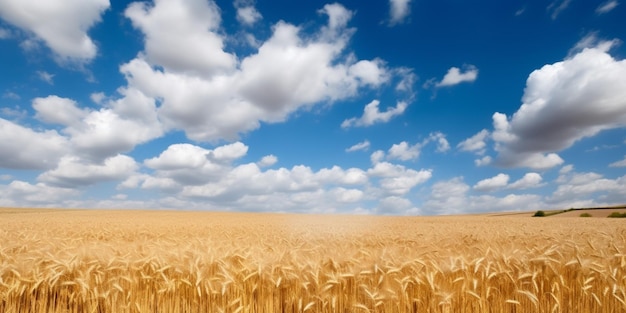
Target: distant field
592, 212
161, 261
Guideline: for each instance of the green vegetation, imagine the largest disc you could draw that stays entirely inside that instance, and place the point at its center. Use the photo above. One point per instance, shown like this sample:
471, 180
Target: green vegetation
617, 215
540, 214
585, 215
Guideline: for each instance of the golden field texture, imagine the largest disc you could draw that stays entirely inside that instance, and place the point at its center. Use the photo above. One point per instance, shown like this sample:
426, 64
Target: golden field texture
157, 261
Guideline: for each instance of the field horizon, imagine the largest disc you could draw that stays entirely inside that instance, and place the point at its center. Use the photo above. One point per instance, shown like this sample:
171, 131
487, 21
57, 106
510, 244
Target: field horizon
55, 260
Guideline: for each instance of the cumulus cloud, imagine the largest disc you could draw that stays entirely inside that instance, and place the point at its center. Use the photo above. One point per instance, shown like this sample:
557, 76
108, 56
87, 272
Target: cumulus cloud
530, 180
21, 193
24, 148
396, 179
75, 172
486, 160
219, 97
621, 163
442, 143
455, 76
246, 12
182, 36
475, 143
372, 115
404, 151
398, 11
453, 197
606, 7
556, 110
61, 24
267, 160
361, 146
580, 186
57, 110
493, 183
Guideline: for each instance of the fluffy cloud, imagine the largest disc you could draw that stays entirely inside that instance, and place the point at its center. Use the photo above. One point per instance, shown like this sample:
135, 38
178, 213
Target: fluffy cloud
361, 146
61, 24
46, 77
24, 148
556, 113
455, 76
621, 163
486, 160
219, 100
267, 160
74, 172
404, 152
452, 197
530, 180
396, 179
475, 143
57, 110
579, 187
493, 183
247, 13
20, 193
607, 6
181, 36
372, 115
398, 11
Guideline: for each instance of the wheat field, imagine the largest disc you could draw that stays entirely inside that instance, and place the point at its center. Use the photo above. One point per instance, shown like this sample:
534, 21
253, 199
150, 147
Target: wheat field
158, 261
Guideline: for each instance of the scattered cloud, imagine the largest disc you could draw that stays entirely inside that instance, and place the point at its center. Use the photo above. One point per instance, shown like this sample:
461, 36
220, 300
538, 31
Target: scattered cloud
520, 11
398, 11
557, 6
11, 95
361, 146
484, 161
46, 77
490, 184
44, 149
5, 33
576, 187
62, 25
75, 172
455, 76
404, 151
476, 143
530, 180
267, 160
247, 14
372, 115
607, 6
621, 163
555, 111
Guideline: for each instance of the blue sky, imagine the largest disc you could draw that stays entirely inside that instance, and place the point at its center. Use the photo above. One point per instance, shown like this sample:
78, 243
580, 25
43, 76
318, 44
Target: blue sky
383, 107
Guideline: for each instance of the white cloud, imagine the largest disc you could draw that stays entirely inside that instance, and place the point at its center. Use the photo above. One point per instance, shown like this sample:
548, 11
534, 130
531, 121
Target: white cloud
607, 6
61, 24
267, 160
361, 146
621, 163
486, 160
11, 95
442, 143
181, 36
248, 15
74, 172
372, 115
493, 183
21, 193
399, 10
403, 151
97, 97
347, 195
566, 169
556, 7
216, 101
57, 110
454, 76
452, 197
396, 179
581, 186
395, 205
24, 148
556, 113
377, 156
5, 33
530, 180
46, 77
475, 143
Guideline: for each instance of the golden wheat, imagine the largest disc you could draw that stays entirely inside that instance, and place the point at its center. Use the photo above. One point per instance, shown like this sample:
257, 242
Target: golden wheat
137, 261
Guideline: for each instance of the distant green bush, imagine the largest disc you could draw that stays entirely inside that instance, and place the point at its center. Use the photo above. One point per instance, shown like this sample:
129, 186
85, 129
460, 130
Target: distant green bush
540, 214
585, 215
617, 214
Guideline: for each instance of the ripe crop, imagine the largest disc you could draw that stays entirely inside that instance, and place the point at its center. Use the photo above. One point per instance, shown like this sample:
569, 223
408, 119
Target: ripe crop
140, 261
